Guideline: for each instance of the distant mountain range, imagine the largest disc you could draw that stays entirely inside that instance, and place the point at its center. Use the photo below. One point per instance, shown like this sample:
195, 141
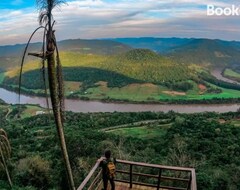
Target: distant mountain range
185, 50
104, 47
180, 50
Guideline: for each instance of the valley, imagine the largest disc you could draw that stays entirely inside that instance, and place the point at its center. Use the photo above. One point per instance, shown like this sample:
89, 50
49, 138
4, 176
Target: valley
95, 71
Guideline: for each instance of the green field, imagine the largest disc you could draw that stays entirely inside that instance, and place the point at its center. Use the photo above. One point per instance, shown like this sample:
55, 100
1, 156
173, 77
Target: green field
236, 122
149, 92
144, 132
26, 111
231, 74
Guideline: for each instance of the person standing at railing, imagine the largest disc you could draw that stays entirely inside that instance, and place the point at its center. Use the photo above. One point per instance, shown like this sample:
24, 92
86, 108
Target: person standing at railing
108, 170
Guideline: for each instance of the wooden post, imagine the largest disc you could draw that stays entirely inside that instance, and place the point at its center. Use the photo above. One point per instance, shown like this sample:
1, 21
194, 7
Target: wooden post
159, 179
189, 182
131, 176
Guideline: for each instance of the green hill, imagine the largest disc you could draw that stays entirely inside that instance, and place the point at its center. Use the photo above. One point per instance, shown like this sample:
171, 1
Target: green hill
205, 51
10, 56
146, 65
139, 64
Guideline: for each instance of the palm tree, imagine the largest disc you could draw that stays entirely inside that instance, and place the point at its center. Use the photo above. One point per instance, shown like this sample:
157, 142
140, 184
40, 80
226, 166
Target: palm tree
49, 50
5, 151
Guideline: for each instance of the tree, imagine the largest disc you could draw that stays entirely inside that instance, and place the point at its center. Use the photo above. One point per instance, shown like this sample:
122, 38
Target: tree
49, 50
5, 151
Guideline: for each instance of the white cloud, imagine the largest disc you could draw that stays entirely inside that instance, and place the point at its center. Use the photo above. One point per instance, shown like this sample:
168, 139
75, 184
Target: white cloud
99, 19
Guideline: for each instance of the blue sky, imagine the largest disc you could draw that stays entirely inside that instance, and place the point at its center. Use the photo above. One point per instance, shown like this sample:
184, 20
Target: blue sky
120, 18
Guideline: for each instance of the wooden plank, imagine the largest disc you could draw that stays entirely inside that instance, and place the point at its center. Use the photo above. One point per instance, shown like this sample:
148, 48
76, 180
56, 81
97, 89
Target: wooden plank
83, 184
155, 166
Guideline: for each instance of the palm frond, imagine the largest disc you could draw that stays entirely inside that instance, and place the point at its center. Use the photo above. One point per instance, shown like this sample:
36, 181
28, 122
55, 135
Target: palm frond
48, 5
22, 61
43, 17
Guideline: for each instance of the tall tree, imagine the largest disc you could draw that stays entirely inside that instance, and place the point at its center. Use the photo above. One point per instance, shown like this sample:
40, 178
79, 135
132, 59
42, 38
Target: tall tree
49, 51
5, 151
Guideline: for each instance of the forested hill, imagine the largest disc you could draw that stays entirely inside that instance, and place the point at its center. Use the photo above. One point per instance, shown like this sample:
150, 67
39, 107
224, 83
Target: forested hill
160, 45
103, 47
181, 50
146, 65
10, 56
205, 51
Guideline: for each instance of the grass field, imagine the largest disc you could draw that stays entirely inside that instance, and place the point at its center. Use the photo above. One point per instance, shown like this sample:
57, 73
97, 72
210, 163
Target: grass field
143, 132
28, 111
236, 123
231, 73
151, 92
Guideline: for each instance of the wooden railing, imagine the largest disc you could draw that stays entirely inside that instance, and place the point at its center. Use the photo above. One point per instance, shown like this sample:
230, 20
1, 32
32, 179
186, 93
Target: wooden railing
167, 177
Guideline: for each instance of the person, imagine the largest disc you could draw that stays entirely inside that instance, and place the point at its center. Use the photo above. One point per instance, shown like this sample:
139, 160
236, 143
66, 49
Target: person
108, 170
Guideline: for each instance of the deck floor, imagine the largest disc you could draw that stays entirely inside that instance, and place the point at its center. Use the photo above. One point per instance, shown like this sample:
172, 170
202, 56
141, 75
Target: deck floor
125, 186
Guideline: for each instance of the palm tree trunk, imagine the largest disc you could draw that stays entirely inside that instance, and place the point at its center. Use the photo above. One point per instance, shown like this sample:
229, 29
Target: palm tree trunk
53, 86
5, 167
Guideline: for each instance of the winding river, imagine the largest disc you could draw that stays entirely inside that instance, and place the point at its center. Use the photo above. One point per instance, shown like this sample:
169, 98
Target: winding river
95, 106
218, 74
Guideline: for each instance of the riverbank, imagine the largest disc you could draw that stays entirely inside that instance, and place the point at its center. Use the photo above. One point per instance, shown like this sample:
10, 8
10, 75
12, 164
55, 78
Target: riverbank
229, 96
96, 106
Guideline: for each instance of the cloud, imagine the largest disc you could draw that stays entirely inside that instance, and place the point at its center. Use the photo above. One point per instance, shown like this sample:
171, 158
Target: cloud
122, 18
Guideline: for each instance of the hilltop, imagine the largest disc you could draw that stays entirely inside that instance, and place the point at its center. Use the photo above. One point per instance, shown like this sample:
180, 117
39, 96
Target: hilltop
148, 66
10, 56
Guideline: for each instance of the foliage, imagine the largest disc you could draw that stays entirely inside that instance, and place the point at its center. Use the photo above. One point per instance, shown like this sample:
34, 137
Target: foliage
5, 153
33, 171
219, 83
191, 140
88, 77
138, 64
229, 73
206, 52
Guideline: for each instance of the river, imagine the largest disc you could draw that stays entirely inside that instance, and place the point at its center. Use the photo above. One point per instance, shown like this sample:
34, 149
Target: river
218, 74
96, 106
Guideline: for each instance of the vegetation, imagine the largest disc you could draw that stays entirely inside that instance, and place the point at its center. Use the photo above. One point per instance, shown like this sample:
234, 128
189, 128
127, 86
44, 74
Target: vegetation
115, 87
147, 66
207, 141
138, 64
5, 152
219, 83
229, 73
87, 76
213, 53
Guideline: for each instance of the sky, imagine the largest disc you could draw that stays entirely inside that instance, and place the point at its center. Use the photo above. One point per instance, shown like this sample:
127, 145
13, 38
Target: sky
90, 19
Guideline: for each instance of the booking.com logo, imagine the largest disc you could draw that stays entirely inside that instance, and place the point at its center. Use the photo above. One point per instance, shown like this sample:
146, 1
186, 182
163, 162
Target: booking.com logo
223, 11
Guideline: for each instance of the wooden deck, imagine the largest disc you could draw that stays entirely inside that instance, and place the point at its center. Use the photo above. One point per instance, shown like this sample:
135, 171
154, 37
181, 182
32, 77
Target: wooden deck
188, 182
125, 186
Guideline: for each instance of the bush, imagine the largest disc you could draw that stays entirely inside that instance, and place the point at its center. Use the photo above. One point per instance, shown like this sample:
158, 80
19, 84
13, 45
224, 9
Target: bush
33, 171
